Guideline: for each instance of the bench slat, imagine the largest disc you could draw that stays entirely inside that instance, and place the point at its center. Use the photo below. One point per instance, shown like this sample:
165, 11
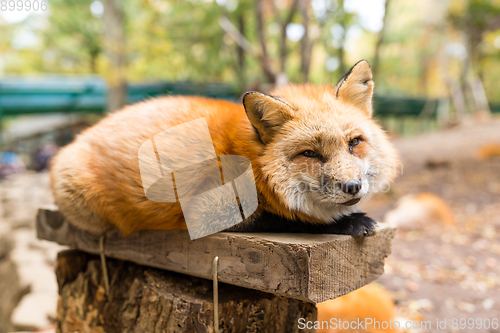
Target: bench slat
308, 267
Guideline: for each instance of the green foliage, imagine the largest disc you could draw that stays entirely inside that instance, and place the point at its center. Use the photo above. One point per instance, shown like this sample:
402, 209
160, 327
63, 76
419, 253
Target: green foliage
476, 17
73, 36
179, 40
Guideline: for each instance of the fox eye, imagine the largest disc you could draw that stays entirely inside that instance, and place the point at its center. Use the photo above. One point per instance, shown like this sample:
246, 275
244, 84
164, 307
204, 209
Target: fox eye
309, 153
353, 143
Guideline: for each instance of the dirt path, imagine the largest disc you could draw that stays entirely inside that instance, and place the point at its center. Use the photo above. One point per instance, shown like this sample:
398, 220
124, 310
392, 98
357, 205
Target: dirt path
455, 274
30, 292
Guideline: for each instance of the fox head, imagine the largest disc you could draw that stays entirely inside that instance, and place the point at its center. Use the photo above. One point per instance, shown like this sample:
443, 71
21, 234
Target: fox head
321, 150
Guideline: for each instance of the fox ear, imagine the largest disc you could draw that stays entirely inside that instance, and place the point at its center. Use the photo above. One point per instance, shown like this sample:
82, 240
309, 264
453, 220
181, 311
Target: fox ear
266, 112
356, 87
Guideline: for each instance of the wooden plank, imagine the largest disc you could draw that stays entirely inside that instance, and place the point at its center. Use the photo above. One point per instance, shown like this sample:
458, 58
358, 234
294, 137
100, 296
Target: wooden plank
308, 267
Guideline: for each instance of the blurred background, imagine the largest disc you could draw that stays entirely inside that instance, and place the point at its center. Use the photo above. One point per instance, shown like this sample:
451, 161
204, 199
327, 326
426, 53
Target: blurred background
65, 64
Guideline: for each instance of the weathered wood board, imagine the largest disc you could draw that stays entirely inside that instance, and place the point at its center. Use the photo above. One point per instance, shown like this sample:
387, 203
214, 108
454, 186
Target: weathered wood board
308, 267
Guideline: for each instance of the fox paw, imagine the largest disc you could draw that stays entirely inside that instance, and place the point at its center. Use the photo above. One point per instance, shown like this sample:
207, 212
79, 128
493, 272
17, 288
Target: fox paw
356, 224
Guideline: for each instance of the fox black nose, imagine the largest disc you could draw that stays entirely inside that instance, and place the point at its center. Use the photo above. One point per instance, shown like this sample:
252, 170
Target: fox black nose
352, 187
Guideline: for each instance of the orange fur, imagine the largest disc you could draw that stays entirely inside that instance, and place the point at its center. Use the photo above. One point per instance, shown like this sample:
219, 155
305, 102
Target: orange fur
97, 183
488, 151
371, 301
424, 210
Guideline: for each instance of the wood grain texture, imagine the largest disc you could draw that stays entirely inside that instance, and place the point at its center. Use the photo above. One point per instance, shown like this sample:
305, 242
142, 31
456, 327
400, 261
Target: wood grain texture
144, 299
309, 267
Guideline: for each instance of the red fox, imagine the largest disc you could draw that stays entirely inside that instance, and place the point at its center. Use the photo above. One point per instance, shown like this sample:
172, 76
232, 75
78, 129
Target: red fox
488, 151
316, 152
422, 211
372, 305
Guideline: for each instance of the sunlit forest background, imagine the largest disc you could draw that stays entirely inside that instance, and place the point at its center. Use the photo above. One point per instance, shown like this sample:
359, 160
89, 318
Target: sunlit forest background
428, 48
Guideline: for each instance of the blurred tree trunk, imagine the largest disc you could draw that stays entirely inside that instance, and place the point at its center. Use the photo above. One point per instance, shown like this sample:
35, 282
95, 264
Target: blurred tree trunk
93, 60
283, 25
114, 34
306, 44
459, 102
240, 51
343, 24
425, 60
474, 20
380, 40
266, 62
481, 104
273, 74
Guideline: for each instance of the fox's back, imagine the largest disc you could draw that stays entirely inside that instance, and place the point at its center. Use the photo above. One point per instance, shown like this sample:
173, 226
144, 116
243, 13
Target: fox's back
101, 165
127, 129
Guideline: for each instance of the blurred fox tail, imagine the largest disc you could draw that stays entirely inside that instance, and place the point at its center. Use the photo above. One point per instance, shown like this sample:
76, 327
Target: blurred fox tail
371, 306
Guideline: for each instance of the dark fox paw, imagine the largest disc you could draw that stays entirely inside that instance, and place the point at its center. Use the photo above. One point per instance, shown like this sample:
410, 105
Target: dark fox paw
356, 224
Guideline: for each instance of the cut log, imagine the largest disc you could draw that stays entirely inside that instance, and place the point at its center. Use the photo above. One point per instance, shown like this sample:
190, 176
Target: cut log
145, 299
309, 267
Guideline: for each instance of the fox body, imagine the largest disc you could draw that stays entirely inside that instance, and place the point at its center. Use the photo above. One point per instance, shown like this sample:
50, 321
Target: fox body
422, 211
358, 307
315, 152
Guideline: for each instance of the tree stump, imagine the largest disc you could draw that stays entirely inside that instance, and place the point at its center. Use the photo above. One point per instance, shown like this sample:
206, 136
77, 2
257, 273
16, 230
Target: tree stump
144, 299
